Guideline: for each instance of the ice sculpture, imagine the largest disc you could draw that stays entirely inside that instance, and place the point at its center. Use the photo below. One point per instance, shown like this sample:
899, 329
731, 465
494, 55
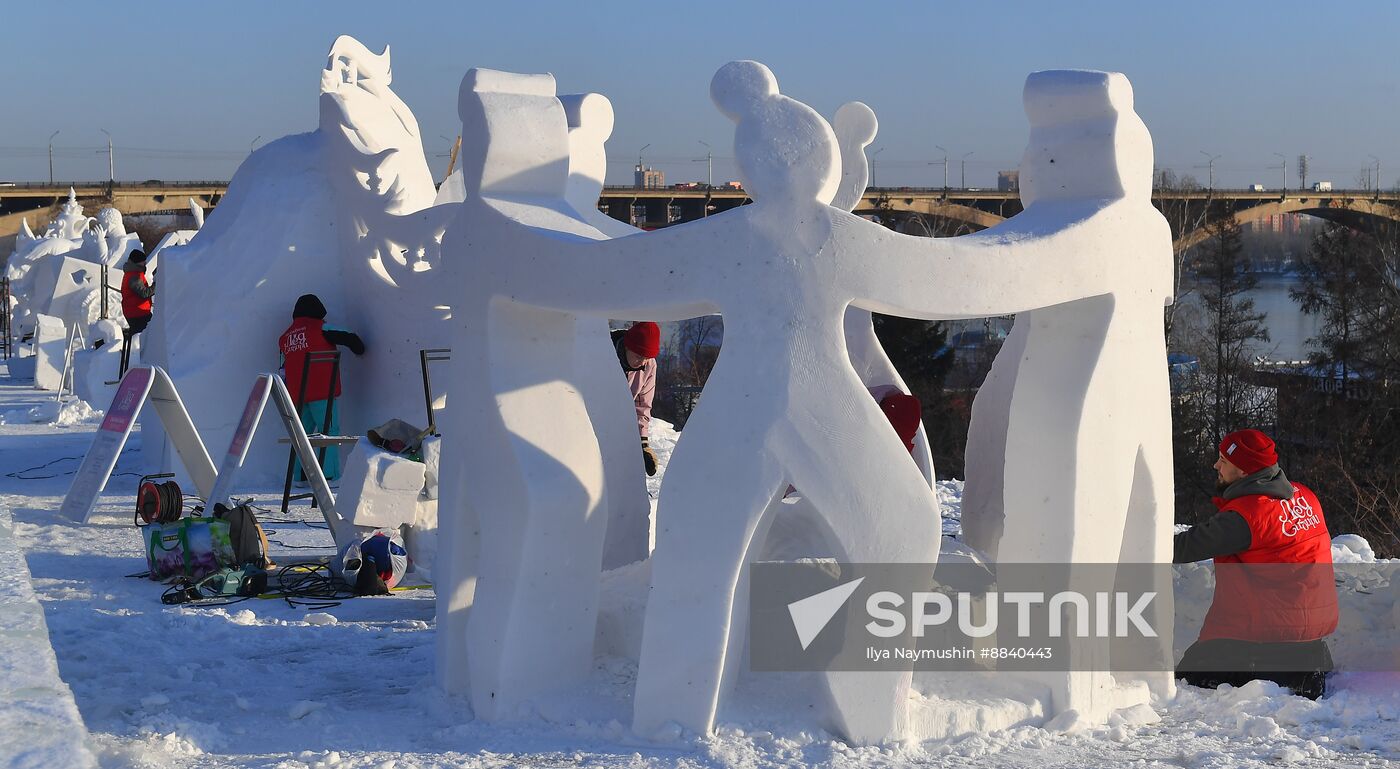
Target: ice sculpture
524, 525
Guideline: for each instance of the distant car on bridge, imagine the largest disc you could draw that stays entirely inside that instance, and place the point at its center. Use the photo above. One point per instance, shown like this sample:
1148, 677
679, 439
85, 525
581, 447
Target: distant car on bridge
1256, 188
1322, 186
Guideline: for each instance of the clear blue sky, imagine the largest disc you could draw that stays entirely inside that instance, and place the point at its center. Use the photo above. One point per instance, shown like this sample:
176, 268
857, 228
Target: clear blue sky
184, 88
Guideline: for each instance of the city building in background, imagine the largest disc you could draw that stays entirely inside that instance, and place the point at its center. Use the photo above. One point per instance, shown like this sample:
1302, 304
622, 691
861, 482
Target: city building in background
648, 178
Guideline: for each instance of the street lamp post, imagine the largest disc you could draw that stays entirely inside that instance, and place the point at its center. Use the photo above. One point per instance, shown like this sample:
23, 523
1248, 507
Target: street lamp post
1378, 175
641, 180
1283, 171
55, 133
945, 168
964, 169
1210, 166
872, 165
111, 167
709, 164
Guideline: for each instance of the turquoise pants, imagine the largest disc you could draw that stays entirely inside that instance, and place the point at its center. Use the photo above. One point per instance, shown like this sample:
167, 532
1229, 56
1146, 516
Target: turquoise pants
313, 416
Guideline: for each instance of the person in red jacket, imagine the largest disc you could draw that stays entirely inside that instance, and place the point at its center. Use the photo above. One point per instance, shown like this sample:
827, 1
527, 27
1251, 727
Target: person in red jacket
136, 301
136, 293
637, 348
309, 334
1275, 599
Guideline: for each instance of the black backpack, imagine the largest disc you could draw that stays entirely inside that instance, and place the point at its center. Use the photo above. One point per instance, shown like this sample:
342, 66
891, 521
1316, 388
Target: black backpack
244, 533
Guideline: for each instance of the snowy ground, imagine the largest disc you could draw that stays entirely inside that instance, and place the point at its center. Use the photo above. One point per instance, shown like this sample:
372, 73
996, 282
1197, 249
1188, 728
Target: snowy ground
261, 684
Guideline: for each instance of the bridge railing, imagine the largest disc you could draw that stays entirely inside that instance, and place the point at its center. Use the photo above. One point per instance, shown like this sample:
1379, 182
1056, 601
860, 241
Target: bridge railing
103, 184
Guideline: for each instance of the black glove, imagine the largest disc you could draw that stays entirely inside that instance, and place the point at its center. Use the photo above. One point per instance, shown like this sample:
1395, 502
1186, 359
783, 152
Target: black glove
648, 458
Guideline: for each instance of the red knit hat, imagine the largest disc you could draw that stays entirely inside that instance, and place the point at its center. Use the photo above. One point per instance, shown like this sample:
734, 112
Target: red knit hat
903, 412
1249, 450
643, 338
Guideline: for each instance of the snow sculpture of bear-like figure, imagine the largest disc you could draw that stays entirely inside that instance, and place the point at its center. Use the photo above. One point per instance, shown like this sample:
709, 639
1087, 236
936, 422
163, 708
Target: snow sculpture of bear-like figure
782, 406
1117, 411
610, 406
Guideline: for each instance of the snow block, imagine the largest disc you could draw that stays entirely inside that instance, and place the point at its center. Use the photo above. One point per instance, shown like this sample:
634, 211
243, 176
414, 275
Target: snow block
21, 367
432, 463
50, 348
39, 721
421, 537
378, 489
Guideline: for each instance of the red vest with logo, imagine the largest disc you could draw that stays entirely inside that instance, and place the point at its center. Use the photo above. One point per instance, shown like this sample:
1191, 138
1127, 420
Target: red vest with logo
134, 306
300, 339
1281, 588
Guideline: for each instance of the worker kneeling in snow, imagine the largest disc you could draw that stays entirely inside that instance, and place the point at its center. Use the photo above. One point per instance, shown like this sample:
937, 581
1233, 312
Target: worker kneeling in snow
309, 334
1275, 599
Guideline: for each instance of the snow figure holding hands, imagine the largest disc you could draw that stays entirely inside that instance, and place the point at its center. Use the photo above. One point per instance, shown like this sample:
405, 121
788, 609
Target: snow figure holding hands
855, 126
783, 405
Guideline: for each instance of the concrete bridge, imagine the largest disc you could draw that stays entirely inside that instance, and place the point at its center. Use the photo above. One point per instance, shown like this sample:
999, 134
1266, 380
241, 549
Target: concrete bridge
966, 209
972, 209
40, 203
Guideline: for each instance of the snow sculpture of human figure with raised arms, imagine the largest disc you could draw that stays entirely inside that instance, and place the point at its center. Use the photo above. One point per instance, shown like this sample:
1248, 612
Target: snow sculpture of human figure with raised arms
783, 404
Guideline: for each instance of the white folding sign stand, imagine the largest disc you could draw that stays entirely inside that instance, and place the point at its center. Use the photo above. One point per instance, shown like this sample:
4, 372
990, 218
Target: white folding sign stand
265, 386
140, 384
242, 438
310, 466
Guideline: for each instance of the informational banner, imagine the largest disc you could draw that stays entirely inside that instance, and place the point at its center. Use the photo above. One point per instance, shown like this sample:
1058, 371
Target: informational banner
107, 444
141, 384
242, 438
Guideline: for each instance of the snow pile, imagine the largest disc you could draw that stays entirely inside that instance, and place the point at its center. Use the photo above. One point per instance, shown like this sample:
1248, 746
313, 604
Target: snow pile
1352, 548
69, 413
39, 722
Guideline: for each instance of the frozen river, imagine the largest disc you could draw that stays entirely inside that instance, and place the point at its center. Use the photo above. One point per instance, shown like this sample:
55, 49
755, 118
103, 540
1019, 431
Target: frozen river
1289, 328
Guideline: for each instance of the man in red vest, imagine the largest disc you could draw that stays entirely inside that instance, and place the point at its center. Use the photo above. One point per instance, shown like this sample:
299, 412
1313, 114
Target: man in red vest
136, 293
310, 334
1275, 599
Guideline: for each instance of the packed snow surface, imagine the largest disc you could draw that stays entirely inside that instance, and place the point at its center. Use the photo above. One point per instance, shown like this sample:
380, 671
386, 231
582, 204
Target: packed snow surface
261, 684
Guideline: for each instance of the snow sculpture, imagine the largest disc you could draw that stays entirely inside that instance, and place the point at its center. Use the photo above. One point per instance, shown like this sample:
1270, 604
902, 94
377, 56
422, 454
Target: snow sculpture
1116, 403
349, 212
60, 272
610, 408
389, 226
346, 212
855, 127
783, 405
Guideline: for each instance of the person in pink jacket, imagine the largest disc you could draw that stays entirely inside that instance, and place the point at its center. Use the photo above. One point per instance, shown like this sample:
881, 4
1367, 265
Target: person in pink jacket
637, 349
